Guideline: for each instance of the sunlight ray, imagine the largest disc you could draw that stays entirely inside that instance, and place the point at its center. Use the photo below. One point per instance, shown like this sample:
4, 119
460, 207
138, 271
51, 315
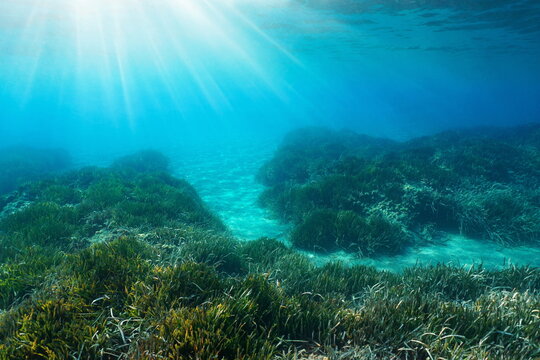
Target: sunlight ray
33, 48
180, 57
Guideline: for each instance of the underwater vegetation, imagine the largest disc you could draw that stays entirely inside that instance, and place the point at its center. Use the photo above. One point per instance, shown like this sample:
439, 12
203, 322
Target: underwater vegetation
121, 299
20, 164
374, 197
126, 262
67, 212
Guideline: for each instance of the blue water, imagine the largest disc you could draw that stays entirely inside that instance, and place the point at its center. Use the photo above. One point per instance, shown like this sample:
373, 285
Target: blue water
216, 83
97, 73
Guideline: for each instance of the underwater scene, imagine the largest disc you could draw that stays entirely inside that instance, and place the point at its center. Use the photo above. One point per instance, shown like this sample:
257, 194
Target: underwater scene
270, 179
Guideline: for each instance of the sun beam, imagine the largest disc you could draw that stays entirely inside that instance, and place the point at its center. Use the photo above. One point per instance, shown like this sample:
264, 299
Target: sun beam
116, 55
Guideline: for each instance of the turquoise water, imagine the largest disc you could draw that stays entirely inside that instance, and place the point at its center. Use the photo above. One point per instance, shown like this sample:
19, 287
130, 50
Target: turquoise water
96, 74
225, 180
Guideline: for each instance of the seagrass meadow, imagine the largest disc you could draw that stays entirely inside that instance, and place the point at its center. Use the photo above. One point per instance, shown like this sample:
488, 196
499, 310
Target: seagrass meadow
128, 262
269, 180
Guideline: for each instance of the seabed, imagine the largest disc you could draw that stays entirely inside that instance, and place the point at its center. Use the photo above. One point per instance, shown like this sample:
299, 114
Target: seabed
128, 261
